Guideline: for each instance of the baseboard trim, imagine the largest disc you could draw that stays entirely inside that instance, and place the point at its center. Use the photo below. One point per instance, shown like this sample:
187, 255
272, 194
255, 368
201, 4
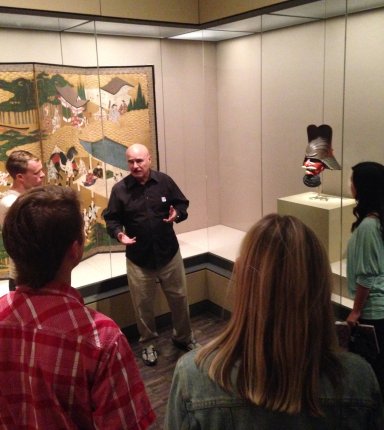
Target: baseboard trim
111, 287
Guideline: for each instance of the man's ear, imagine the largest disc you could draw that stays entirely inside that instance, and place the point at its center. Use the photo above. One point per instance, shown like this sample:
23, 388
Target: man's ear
75, 251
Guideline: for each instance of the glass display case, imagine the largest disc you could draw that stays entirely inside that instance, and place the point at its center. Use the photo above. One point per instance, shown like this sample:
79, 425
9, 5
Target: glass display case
231, 102
316, 63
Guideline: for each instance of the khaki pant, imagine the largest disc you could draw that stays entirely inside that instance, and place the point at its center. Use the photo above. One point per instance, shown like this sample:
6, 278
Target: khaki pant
142, 285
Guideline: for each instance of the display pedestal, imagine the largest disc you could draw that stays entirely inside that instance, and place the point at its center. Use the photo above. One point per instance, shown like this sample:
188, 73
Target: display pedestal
330, 217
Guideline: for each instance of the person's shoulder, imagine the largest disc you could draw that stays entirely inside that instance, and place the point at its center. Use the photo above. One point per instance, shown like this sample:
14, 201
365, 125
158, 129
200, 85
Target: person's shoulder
358, 380
159, 174
187, 362
369, 222
123, 183
353, 361
5, 302
8, 198
367, 228
196, 374
102, 321
98, 329
161, 177
156, 174
357, 372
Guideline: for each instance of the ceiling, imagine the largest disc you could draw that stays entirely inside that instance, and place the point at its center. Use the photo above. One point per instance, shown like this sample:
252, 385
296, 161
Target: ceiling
233, 27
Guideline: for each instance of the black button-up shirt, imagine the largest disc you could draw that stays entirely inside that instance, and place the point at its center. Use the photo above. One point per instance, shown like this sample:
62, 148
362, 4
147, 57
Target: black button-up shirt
139, 210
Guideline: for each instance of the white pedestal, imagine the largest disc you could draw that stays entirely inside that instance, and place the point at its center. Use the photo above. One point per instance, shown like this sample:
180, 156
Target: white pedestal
330, 217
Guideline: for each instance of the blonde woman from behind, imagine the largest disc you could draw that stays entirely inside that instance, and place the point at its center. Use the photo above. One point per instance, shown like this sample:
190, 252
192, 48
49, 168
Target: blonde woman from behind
276, 365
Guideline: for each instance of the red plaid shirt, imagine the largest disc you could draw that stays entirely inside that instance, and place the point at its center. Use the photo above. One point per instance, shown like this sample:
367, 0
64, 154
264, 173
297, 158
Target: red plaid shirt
66, 366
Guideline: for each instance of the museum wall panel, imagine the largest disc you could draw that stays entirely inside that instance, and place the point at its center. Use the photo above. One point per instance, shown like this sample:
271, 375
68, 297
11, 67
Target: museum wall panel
211, 10
73, 6
333, 98
181, 102
270, 87
239, 131
212, 145
184, 125
180, 11
180, 96
364, 91
324, 72
294, 72
232, 116
22, 46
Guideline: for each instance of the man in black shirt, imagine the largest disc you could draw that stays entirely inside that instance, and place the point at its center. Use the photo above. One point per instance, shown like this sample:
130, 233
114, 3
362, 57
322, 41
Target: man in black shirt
140, 214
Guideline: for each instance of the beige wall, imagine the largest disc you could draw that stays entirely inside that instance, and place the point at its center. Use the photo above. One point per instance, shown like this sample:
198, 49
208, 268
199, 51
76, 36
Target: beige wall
183, 79
185, 106
91, 7
364, 90
239, 131
179, 11
176, 11
182, 11
272, 86
211, 10
232, 116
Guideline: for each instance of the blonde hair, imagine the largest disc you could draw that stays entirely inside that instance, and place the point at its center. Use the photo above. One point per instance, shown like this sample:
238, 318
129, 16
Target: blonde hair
281, 332
17, 162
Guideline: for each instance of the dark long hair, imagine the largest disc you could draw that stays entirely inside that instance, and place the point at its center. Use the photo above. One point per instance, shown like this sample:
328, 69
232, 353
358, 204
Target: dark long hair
368, 180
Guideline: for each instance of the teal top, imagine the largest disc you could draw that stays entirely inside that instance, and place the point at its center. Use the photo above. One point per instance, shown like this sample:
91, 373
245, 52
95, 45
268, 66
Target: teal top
365, 266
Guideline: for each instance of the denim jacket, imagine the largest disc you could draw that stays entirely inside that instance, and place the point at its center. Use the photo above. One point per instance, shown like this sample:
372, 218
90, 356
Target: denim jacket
198, 403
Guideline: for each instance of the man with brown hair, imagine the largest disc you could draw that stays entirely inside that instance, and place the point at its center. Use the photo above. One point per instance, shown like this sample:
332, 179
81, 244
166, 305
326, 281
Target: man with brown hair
26, 171
62, 365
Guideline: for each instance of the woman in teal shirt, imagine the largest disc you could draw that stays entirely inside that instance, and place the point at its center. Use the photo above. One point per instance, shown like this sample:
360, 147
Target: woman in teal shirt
365, 254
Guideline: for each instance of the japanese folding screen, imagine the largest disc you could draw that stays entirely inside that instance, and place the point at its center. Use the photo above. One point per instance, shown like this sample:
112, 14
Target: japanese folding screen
79, 122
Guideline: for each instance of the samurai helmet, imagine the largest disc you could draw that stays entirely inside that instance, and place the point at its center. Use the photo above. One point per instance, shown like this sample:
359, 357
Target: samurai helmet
320, 146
